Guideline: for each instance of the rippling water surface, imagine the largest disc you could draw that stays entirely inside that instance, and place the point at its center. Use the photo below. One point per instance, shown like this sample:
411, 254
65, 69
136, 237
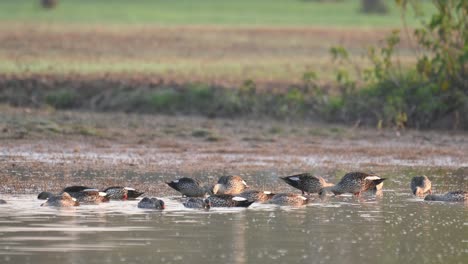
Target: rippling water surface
388, 228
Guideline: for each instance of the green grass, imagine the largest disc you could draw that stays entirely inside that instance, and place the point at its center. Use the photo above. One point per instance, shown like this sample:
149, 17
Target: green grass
202, 12
267, 41
224, 72
229, 72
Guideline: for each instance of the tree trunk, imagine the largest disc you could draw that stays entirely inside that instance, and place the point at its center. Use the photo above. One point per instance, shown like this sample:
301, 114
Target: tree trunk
373, 6
49, 3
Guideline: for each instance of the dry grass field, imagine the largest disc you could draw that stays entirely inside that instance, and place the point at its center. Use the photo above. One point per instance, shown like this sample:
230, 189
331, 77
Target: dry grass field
210, 41
219, 55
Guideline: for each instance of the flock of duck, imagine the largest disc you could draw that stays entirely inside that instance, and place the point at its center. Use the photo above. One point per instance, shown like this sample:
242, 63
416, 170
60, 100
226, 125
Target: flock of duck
233, 191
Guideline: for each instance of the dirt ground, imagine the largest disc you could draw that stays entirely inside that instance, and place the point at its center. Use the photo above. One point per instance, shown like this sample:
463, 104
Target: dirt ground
94, 42
44, 149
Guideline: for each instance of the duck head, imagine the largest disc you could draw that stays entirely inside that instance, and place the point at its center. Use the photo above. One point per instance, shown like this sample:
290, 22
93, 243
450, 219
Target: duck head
162, 205
218, 188
418, 191
206, 204
44, 195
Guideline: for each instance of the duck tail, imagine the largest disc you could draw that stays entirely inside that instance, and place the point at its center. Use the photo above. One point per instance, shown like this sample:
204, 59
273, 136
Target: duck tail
245, 203
173, 185
291, 180
286, 179
378, 181
242, 202
134, 194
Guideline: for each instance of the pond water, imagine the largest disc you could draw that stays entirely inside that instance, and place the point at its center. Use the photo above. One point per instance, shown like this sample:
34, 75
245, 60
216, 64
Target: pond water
388, 228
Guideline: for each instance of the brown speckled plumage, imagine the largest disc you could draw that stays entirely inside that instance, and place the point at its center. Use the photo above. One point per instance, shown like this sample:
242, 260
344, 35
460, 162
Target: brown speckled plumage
306, 182
90, 196
230, 185
190, 187
456, 196
288, 199
421, 185
122, 193
256, 196
61, 200
355, 183
226, 200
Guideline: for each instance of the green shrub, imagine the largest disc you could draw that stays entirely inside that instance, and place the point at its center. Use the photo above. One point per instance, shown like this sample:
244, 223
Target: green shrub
201, 133
165, 100
200, 95
61, 98
435, 88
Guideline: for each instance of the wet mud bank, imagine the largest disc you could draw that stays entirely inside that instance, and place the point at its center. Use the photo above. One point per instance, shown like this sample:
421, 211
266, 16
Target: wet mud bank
44, 149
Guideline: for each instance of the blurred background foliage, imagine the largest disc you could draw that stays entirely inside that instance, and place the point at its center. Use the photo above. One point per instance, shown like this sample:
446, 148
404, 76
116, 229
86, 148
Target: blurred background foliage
416, 76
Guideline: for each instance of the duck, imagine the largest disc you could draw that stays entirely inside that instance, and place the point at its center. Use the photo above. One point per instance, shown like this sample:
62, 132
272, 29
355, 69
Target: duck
90, 196
76, 188
61, 200
355, 183
197, 203
256, 196
455, 196
44, 195
83, 194
421, 185
227, 200
190, 187
306, 182
288, 199
230, 185
122, 193
151, 203
69, 190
